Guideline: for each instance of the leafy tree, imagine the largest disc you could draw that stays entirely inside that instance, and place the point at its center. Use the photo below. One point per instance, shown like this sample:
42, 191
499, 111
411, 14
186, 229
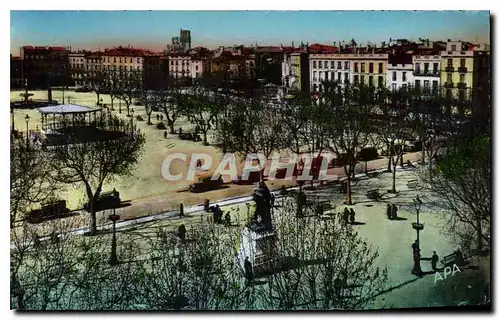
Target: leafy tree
96, 157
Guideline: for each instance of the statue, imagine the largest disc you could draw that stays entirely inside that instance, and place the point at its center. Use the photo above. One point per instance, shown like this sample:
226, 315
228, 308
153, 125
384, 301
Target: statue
262, 216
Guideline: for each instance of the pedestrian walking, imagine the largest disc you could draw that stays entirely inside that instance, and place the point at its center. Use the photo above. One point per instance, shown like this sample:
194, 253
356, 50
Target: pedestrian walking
227, 219
165, 134
352, 215
434, 261
345, 216
157, 117
337, 284
248, 270
394, 212
181, 232
389, 212
181, 210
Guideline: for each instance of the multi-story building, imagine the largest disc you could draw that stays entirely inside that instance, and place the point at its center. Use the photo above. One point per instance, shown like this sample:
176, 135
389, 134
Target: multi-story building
44, 66
465, 72
427, 69
299, 73
181, 43
399, 71
16, 72
180, 66
268, 64
369, 69
77, 68
94, 75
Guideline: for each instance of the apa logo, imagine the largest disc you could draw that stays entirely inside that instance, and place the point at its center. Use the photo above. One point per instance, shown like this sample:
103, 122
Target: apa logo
446, 272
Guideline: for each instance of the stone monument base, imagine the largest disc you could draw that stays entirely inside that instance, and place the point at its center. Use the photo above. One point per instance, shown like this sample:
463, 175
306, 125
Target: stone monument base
260, 247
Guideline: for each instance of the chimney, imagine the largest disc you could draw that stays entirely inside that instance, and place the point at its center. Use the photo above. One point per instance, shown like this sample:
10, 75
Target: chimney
334, 43
293, 46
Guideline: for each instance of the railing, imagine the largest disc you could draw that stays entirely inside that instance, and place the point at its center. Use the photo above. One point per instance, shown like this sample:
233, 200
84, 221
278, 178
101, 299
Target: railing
462, 69
461, 85
450, 69
427, 73
448, 85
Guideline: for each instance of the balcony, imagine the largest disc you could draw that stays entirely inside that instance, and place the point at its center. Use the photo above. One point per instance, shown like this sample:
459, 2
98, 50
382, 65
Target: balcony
448, 85
461, 85
427, 73
462, 69
450, 69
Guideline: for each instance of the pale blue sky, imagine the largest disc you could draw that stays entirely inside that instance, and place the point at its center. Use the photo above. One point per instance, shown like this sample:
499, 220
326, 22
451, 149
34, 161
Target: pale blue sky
154, 29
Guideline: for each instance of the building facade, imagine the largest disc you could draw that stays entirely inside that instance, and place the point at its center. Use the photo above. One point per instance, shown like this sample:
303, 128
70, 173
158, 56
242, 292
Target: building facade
44, 66
77, 68
399, 71
16, 73
427, 70
369, 69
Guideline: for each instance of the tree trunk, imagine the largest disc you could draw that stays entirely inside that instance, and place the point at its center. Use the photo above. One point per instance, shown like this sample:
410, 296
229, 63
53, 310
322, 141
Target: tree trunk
205, 141
479, 231
149, 118
389, 162
349, 198
401, 160
171, 126
394, 179
423, 153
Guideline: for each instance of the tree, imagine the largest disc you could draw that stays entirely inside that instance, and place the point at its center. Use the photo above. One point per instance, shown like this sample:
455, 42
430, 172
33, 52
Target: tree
462, 179
130, 84
395, 127
112, 150
348, 123
149, 103
324, 263
29, 177
170, 101
202, 108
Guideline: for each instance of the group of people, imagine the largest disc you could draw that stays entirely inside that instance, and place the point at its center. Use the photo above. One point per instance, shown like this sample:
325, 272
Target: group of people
392, 212
159, 117
218, 213
348, 215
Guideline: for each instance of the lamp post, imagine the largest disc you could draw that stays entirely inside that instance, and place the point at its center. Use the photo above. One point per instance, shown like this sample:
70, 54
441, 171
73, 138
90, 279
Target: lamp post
27, 118
114, 259
417, 270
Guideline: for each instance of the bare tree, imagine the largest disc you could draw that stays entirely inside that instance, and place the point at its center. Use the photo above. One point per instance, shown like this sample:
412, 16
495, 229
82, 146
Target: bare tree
170, 101
324, 264
202, 108
114, 151
29, 177
130, 84
348, 123
462, 179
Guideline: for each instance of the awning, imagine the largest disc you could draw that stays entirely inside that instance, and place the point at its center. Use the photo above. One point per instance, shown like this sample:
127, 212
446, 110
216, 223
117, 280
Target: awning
66, 108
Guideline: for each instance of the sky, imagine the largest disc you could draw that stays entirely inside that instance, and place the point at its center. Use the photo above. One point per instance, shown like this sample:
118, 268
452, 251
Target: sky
154, 29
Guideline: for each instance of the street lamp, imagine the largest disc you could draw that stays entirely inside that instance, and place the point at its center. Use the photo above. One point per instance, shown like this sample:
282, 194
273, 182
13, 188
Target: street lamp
417, 270
27, 118
114, 259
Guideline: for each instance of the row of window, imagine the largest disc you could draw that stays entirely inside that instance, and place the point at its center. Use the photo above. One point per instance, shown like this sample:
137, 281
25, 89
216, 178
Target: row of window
435, 67
324, 64
121, 59
329, 76
101, 67
450, 63
370, 67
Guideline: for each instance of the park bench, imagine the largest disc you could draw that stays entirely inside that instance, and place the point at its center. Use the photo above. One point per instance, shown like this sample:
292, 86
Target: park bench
413, 184
454, 258
373, 194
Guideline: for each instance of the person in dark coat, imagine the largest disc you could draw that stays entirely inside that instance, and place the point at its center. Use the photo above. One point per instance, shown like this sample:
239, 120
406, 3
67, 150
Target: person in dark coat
337, 284
345, 216
394, 212
434, 261
165, 134
157, 117
248, 269
389, 212
352, 215
227, 219
181, 232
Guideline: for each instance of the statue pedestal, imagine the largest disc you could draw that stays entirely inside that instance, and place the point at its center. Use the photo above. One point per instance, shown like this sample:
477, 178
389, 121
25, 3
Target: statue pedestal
259, 245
